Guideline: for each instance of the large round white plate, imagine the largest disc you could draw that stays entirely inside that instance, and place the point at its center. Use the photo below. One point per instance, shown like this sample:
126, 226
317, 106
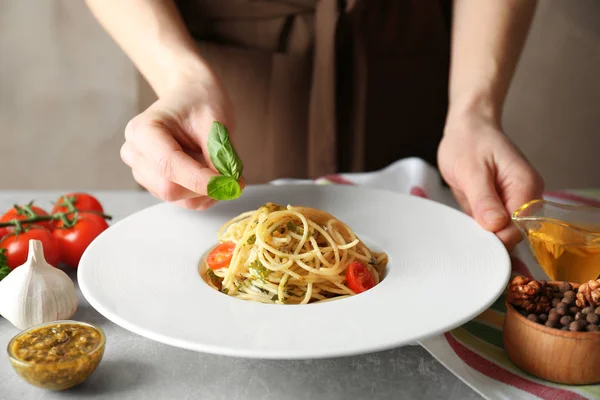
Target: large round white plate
142, 274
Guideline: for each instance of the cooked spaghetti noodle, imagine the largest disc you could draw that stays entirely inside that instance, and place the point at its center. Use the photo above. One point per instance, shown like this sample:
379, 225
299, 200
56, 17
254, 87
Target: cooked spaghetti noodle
293, 255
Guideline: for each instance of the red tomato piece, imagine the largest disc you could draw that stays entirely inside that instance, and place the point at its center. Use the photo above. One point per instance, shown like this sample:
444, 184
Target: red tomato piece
359, 278
73, 241
220, 256
13, 213
81, 201
17, 246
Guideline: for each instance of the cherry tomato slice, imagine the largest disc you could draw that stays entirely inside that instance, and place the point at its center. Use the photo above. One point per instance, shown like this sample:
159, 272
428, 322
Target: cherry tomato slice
81, 201
220, 256
359, 278
14, 214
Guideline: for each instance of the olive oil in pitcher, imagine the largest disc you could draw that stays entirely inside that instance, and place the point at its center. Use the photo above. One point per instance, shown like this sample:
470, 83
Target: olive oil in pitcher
564, 239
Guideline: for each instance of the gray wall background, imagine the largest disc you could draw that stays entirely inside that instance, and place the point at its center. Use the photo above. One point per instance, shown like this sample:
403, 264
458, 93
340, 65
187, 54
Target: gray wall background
67, 92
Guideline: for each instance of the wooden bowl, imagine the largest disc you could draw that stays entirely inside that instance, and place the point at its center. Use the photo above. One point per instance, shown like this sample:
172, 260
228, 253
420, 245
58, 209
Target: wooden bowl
566, 357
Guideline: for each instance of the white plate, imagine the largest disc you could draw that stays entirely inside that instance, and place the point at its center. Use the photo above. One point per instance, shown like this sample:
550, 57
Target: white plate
142, 274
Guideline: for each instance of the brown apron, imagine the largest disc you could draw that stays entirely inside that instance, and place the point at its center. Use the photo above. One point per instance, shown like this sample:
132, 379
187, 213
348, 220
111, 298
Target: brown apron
324, 86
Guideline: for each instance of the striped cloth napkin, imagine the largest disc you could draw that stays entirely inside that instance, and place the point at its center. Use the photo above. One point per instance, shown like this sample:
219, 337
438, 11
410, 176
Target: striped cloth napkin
474, 351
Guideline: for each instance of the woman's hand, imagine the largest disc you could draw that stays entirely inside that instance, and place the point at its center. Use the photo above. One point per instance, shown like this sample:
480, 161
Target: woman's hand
488, 175
166, 145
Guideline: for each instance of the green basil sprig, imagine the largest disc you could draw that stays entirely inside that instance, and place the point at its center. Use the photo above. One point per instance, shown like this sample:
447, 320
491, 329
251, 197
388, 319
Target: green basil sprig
226, 161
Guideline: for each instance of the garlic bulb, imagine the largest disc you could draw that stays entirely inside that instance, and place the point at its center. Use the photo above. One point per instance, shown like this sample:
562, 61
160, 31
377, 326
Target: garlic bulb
37, 292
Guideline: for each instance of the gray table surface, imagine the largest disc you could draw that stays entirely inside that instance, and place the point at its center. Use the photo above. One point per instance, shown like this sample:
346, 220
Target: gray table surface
134, 367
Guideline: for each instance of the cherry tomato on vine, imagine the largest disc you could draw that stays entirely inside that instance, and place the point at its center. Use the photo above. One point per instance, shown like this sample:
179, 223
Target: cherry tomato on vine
81, 201
359, 278
220, 256
4, 231
17, 245
23, 213
72, 241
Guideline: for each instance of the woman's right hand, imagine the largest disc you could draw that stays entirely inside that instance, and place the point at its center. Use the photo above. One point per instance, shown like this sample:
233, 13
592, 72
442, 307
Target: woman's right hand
166, 145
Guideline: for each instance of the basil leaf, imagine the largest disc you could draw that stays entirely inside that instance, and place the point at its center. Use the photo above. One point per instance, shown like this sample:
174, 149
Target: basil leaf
221, 152
223, 188
4, 270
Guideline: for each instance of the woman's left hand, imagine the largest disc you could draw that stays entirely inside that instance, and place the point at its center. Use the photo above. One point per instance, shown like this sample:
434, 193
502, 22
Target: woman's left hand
488, 175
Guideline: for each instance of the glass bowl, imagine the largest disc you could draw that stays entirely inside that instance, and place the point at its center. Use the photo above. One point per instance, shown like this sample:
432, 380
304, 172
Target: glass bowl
58, 371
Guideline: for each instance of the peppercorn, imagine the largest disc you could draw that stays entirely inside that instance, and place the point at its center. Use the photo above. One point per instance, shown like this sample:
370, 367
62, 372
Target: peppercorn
562, 308
570, 300
587, 310
597, 311
532, 317
574, 310
592, 318
543, 317
553, 317
576, 326
555, 302
554, 288
578, 316
592, 328
565, 287
566, 320
551, 324
557, 295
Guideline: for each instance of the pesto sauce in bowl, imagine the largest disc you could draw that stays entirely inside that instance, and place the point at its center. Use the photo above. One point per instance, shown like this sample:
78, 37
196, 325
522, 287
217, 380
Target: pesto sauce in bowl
57, 355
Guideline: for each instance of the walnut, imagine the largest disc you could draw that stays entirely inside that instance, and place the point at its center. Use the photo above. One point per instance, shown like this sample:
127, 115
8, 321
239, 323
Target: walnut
531, 296
589, 294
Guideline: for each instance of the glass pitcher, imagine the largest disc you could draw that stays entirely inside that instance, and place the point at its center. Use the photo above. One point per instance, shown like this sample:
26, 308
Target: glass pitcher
565, 239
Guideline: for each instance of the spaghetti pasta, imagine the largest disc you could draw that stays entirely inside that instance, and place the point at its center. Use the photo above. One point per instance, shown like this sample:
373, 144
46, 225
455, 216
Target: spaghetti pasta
291, 255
